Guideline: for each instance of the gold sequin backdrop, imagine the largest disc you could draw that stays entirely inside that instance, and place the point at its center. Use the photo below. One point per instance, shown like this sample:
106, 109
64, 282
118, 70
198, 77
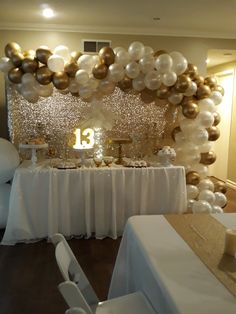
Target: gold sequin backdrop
57, 117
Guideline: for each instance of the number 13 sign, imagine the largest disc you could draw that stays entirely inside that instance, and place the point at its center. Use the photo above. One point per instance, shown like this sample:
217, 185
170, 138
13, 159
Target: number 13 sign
88, 134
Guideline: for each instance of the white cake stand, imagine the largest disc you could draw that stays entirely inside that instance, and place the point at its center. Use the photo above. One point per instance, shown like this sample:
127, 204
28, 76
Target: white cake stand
82, 152
33, 148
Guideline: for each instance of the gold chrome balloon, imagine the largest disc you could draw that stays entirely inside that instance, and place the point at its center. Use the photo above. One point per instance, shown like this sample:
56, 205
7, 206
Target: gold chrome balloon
163, 92
190, 110
192, 71
213, 133
17, 58
193, 178
12, 48
125, 84
60, 80
15, 75
220, 186
100, 71
203, 91
71, 68
211, 81
208, 158
42, 55
220, 89
44, 75
107, 55
148, 95
29, 65
182, 84
75, 56
217, 118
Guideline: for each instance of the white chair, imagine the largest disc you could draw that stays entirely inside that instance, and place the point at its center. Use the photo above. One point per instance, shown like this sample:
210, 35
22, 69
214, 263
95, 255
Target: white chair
79, 294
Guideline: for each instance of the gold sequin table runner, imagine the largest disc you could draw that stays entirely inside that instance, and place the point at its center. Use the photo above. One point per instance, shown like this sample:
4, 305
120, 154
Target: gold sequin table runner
206, 237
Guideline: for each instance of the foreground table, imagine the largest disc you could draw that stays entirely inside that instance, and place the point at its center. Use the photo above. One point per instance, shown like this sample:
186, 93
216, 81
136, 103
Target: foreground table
88, 201
153, 258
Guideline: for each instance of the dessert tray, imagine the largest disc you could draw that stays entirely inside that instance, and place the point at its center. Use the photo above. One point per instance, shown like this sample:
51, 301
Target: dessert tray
136, 164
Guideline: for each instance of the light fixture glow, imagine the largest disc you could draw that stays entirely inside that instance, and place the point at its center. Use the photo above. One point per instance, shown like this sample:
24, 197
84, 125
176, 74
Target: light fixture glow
47, 12
208, 61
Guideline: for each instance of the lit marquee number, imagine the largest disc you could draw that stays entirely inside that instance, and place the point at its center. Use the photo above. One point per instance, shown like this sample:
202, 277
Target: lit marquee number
88, 135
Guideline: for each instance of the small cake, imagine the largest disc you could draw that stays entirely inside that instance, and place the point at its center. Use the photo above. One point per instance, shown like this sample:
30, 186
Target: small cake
35, 141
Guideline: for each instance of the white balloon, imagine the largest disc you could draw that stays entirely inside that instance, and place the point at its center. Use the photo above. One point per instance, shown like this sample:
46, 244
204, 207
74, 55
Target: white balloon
207, 195
117, 49
169, 78
201, 169
206, 104
180, 64
82, 77
85, 92
191, 90
86, 62
148, 51
152, 80
187, 125
216, 97
122, 57
56, 63
180, 138
73, 86
205, 119
9, 160
146, 63
44, 90
28, 78
217, 209
206, 147
220, 199
116, 72
175, 98
63, 52
192, 191
132, 69
136, 50
6, 65
106, 87
190, 203
206, 184
138, 82
201, 206
163, 63
29, 93
198, 136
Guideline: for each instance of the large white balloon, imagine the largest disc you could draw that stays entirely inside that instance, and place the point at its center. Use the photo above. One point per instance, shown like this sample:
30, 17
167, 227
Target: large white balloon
206, 184
132, 69
116, 72
152, 80
220, 199
9, 160
201, 169
187, 125
138, 82
6, 65
180, 64
201, 206
206, 104
198, 136
163, 63
86, 62
82, 77
192, 191
5, 190
206, 147
169, 78
62, 51
205, 119
122, 57
146, 63
207, 195
136, 50
175, 98
216, 97
217, 209
56, 63
191, 90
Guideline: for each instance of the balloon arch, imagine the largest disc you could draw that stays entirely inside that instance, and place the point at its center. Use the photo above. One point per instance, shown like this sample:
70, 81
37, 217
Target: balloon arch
156, 76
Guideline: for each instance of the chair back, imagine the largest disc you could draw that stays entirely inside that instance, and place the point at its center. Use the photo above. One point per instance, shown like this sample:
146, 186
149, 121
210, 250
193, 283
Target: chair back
74, 298
71, 270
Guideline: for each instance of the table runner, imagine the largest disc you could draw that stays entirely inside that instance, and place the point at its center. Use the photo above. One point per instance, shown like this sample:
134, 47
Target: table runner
206, 236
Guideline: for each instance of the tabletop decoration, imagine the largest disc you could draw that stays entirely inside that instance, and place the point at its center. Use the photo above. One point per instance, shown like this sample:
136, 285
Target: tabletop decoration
34, 144
162, 83
166, 156
120, 141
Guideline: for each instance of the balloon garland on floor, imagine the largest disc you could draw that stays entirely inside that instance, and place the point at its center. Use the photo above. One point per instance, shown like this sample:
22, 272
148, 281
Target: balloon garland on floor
156, 76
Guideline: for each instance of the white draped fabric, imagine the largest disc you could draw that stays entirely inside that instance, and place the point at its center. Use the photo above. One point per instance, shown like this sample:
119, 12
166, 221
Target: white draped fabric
154, 259
90, 201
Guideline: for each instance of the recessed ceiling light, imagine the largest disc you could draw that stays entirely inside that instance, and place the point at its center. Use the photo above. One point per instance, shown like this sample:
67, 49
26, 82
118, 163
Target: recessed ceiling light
48, 12
156, 18
208, 60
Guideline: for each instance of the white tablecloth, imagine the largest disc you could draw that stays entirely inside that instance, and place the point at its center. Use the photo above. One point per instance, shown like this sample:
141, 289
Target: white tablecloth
88, 201
153, 258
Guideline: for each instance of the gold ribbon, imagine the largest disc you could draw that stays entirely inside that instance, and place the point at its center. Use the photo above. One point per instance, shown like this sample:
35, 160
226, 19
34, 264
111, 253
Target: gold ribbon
206, 237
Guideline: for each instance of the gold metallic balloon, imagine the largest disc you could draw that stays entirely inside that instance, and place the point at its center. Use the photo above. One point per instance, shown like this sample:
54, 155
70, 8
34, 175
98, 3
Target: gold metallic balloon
163, 92
193, 178
75, 56
30, 54
208, 158
211, 81
107, 55
17, 58
12, 48
29, 65
71, 68
15, 75
44, 75
60, 80
42, 55
192, 71
203, 91
190, 110
147, 95
220, 89
125, 84
100, 71
199, 80
220, 186
213, 133
176, 130
217, 118
182, 84
159, 52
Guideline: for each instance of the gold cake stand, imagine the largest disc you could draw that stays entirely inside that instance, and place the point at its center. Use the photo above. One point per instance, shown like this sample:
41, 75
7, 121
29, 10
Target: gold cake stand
120, 141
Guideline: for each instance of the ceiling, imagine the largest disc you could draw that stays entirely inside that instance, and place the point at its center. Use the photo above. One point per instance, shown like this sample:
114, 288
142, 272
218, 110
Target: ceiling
202, 18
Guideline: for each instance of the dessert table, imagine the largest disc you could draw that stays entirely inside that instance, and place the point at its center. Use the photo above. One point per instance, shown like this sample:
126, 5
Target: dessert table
154, 259
88, 201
